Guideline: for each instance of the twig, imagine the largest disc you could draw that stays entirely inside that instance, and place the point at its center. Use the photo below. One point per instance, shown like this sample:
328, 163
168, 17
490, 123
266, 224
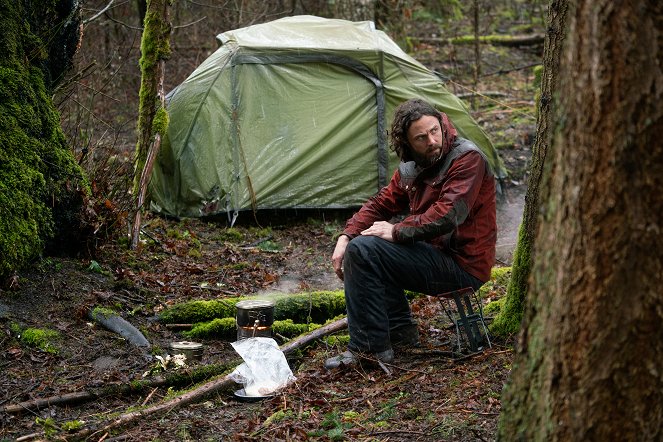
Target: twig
98, 14
420, 433
190, 24
149, 396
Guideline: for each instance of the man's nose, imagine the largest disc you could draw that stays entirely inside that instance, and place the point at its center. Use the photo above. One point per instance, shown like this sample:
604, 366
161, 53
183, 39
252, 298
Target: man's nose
431, 139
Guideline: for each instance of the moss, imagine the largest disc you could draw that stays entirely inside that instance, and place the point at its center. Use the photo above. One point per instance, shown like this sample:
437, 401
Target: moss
315, 307
154, 47
495, 306
226, 328
499, 280
230, 235
41, 185
538, 72
160, 122
223, 328
507, 322
42, 339
102, 312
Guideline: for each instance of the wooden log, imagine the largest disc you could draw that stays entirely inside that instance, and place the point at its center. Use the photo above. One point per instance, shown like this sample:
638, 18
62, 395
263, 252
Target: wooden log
496, 40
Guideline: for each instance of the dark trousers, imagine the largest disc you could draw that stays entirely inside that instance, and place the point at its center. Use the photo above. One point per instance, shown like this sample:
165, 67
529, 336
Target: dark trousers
377, 271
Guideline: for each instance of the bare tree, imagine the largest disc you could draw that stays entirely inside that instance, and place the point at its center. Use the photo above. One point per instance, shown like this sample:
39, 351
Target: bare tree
588, 363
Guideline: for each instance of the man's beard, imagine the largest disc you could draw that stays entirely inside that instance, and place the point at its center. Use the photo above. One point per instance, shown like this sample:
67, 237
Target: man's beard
424, 161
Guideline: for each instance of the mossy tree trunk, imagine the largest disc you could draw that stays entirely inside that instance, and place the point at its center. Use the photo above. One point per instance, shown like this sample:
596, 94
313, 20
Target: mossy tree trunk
152, 115
588, 364
41, 186
508, 320
155, 49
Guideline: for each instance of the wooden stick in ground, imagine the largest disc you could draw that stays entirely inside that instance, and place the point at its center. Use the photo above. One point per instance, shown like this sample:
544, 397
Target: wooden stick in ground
211, 387
144, 180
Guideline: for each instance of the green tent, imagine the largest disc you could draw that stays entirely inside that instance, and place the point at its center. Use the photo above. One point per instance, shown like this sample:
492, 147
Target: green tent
292, 114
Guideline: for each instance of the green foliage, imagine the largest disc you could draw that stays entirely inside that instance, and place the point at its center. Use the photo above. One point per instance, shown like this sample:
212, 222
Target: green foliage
333, 427
48, 425
95, 267
40, 182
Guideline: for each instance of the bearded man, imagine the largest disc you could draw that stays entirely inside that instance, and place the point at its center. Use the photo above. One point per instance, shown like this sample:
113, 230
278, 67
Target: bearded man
445, 242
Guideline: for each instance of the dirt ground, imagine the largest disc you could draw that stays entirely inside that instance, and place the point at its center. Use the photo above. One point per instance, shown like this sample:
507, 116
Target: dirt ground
194, 260
426, 396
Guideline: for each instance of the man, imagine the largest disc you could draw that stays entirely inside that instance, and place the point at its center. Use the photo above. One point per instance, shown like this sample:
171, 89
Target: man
446, 241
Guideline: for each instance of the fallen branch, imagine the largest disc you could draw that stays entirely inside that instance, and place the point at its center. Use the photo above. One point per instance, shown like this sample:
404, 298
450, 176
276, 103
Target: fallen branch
306, 339
496, 40
176, 378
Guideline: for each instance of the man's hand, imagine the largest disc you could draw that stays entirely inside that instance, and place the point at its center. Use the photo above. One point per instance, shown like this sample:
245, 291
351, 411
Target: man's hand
380, 229
339, 252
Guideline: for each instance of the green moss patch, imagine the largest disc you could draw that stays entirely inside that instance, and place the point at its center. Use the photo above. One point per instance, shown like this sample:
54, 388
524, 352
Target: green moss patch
43, 339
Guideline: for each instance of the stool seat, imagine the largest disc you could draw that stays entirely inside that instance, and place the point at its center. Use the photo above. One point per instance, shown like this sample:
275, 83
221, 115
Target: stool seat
466, 318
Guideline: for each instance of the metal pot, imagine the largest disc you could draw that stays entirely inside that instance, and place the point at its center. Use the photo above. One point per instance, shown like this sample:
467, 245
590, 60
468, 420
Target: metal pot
192, 350
254, 318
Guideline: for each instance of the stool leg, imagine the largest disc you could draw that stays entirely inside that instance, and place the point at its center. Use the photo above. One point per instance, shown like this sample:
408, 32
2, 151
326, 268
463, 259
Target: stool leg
471, 337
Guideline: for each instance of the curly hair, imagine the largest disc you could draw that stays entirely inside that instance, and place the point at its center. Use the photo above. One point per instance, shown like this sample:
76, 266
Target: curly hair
407, 113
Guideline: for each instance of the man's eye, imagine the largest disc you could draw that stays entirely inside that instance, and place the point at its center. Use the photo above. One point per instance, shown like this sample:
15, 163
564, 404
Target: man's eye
434, 130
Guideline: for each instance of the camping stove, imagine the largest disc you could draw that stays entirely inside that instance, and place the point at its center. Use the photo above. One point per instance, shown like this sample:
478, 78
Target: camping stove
254, 318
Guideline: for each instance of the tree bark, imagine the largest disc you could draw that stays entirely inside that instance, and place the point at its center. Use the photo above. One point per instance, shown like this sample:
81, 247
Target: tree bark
588, 364
508, 320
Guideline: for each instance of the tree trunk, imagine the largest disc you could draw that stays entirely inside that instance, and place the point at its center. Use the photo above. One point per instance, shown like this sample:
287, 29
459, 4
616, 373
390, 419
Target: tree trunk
155, 49
477, 54
353, 10
41, 186
588, 365
508, 320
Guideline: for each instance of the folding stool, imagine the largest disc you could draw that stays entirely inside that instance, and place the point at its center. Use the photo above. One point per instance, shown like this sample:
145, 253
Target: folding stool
466, 318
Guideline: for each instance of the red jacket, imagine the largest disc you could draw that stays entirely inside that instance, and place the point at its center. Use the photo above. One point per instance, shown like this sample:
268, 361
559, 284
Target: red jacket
450, 204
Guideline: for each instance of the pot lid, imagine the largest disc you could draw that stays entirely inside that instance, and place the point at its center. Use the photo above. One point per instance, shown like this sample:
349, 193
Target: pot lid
254, 303
186, 345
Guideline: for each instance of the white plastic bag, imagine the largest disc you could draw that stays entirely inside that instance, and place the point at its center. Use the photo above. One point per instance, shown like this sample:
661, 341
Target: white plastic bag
265, 368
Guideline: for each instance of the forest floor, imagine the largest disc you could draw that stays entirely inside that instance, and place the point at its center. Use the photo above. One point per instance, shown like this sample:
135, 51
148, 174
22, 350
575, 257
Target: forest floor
426, 396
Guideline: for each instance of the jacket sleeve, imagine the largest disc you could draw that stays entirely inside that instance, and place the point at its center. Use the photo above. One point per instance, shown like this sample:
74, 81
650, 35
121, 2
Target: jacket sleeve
456, 195
388, 202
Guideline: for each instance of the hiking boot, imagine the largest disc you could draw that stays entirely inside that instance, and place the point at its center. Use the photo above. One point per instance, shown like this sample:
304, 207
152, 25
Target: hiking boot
349, 358
405, 336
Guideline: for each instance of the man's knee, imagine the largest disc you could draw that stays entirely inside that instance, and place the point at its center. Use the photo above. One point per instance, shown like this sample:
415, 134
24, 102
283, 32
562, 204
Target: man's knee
361, 245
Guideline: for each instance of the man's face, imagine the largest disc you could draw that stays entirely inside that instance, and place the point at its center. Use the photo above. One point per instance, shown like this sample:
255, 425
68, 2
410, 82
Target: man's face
425, 138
